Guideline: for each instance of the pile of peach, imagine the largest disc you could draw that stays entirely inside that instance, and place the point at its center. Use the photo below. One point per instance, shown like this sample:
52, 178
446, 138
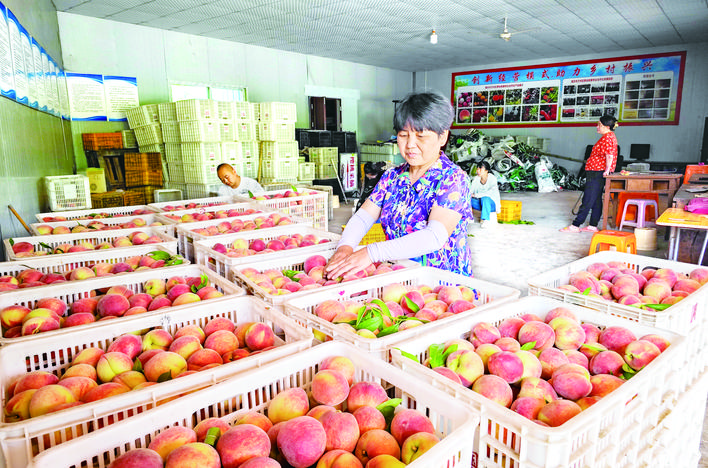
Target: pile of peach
285, 194
278, 282
237, 225
399, 308
30, 277
95, 225
51, 313
244, 247
209, 215
347, 428
27, 249
613, 281
133, 362
546, 370
139, 211
190, 206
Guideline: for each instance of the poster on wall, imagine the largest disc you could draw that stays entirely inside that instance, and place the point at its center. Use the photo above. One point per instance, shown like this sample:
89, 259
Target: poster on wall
7, 83
638, 90
34, 76
18, 58
44, 86
52, 91
121, 94
86, 97
63, 94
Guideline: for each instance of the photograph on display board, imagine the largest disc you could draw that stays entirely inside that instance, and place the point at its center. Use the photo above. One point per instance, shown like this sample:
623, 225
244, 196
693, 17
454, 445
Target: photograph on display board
639, 90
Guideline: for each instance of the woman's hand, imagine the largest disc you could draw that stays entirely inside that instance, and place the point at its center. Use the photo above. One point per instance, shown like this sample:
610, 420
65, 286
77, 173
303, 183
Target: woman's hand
345, 260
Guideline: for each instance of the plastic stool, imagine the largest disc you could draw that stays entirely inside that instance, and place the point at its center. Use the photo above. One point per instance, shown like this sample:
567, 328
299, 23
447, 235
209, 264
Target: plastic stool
694, 169
623, 241
641, 211
631, 212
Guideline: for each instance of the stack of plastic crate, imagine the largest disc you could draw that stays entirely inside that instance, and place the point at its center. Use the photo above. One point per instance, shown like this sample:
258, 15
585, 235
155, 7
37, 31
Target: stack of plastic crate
245, 122
143, 175
145, 122
278, 147
380, 152
326, 159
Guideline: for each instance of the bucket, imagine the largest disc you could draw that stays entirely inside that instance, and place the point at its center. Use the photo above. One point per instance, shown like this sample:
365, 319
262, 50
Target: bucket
646, 238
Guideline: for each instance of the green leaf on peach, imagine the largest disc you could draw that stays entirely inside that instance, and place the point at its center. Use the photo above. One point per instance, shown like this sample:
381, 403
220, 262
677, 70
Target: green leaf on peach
212, 436
528, 346
165, 377
407, 354
411, 305
138, 366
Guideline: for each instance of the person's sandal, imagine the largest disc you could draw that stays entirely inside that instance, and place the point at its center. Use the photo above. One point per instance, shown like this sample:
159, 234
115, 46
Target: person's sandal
570, 228
589, 228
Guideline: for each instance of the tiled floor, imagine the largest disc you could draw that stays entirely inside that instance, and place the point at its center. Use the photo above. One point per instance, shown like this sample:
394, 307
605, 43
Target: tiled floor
511, 254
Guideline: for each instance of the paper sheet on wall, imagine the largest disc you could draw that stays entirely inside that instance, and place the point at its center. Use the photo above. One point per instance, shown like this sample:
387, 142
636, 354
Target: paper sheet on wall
34, 71
86, 96
52, 90
121, 94
7, 83
63, 94
44, 82
18, 58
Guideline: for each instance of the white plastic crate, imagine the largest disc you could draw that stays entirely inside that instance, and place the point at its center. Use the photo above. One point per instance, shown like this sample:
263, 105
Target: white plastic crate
150, 134
175, 170
246, 130
600, 436
249, 167
173, 152
219, 210
133, 210
293, 262
688, 317
70, 192
203, 173
200, 153
252, 392
147, 218
250, 149
201, 190
278, 150
277, 111
129, 140
228, 131
302, 309
21, 441
225, 110
279, 169
135, 281
44, 243
244, 110
394, 159
170, 132
200, 202
167, 112
186, 235
275, 130
306, 171
199, 130
156, 148
231, 151
379, 148
196, 109
205, 254
142, 115
311, 205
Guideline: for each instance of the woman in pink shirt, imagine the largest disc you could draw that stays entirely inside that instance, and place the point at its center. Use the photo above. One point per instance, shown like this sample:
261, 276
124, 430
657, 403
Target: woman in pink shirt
601, 163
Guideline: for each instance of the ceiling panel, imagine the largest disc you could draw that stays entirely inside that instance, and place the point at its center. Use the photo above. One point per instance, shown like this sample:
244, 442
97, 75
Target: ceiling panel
395, 33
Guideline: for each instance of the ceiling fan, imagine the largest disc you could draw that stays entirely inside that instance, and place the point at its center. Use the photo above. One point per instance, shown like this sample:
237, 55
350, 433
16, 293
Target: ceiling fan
506, 35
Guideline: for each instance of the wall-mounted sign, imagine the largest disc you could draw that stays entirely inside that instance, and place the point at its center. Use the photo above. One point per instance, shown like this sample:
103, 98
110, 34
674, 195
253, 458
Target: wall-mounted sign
7, 83
18, 59
121, 95
87, 100
638, 90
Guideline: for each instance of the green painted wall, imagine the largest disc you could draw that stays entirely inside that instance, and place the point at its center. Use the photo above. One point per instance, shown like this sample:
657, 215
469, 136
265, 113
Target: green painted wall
32, 144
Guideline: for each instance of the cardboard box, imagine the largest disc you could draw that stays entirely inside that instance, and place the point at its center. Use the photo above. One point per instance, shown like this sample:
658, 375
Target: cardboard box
97, 179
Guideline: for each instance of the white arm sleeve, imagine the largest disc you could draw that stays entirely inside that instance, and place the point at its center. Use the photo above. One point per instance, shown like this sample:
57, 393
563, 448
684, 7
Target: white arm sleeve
357, 227
412, 245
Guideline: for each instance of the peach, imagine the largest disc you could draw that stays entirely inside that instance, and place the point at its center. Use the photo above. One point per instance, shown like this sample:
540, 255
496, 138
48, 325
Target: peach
318, 411
159, 302
639, 353
592, 332
288, 404
571, 381
576, 357
588, 401
112, 305
485, 350
155, 287
329, 387
509, 327
128, 344
374, 443
484, 332
660, 342
408, 422
659, 290
495, 388
255, 418
219, 323
342, 364
527, 407
140, 300
412, 301
606, 362
616, 338
591, 349
17, 407
667, 275
603, 384
302, 441
221, 341
241, 443
54, 304
186, 298
365, 394
329, 309
261, 462
314, 261
339, 459
156, 339
341, 429
34, 380
81, 370
558, 412
111, 364
687, 285
506, 365
139, 457
81, 273
368, 418
450, 294
171, 438
624, 285
203, 357
45, 399
537, 387
259, 336
467, 364
12, 316
532, 365
164, 365
191, 330
193, 454
700, 275
78, 319
39, 324
551, 358
203, 427
568, 332
78, 386
416, 445
584, 281
506, 343
384, 461
185, 346
538, 332
596, 270
393, 292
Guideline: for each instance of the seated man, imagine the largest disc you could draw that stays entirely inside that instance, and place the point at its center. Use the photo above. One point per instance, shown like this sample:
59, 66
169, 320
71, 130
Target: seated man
235, 184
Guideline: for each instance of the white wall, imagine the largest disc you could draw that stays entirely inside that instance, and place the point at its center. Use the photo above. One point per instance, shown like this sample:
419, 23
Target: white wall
668, 142
157, 57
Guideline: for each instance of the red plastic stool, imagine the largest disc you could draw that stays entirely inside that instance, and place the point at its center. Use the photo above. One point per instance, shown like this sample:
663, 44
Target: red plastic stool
694, 169
632, 210
622, 241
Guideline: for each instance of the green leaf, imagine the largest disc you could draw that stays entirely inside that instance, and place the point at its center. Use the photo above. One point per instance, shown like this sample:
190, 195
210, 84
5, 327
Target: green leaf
372, 323
627, 372
294, 189
593, 347
658, 307
290, 274
205, 281
382, 307
450, 349
165, 377
12, 242
388, 331
408, 355
138, 366
159, 255
587, 292
388, 408
528, 346
212, 436
435, 355
411, 305
45, 245
250, 194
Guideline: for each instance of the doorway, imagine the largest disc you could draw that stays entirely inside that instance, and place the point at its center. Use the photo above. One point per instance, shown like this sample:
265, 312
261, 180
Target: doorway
325, 113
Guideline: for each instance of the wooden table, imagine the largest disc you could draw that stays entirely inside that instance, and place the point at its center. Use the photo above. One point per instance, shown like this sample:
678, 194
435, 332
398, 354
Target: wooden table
664, 184
689, 191
677, 219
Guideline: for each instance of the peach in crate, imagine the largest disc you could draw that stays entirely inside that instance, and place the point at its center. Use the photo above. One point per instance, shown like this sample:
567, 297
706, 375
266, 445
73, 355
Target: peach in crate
440, 426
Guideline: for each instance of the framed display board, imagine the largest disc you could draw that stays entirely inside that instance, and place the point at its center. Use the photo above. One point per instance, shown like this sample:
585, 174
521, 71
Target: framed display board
638, 90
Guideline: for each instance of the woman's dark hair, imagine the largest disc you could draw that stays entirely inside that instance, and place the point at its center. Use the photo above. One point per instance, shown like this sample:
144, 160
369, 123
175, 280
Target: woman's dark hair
609, 122
424, 111
484, 164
